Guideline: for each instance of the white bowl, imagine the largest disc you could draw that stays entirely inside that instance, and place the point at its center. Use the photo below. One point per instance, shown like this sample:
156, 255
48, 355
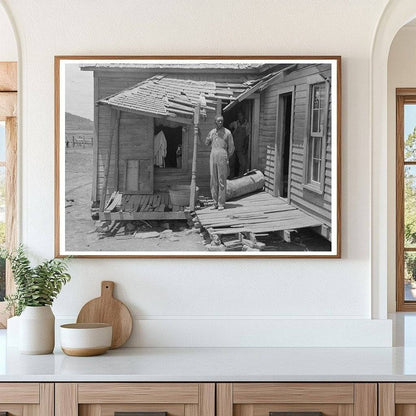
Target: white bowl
83, 340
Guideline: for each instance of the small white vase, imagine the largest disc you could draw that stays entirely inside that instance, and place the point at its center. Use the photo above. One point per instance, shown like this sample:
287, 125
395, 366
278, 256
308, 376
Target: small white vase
37, 330
13, 331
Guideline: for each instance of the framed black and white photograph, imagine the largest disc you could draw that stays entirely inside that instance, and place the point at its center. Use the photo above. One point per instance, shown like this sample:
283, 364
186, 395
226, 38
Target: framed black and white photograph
198, 157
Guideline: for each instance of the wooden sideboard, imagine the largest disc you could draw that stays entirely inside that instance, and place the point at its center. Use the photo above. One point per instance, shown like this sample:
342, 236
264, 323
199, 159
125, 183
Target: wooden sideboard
208, 399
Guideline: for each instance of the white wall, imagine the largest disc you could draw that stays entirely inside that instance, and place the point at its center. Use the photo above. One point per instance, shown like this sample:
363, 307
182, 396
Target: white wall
8, 47
401, 74
211, 302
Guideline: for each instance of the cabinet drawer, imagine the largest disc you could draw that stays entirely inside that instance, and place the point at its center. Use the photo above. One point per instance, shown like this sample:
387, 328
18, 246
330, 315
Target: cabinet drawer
21, 399
107, 399
397, 399
19, 393
296, 399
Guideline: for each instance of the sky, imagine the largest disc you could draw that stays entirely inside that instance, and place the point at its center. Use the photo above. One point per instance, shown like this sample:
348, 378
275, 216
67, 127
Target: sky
79, 91
409, 119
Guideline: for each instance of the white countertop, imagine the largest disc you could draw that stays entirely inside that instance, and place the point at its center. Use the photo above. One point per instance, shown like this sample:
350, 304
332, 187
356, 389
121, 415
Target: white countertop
213, 364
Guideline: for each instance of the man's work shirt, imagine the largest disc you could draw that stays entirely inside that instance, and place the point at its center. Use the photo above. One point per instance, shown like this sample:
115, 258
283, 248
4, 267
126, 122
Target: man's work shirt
220, 140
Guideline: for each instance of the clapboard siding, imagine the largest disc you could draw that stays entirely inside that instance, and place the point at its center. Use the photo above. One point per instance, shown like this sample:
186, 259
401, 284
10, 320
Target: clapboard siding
314, 203
269, 170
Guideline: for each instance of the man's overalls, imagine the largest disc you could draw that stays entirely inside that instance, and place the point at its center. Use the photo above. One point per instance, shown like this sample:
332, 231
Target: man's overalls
222, 146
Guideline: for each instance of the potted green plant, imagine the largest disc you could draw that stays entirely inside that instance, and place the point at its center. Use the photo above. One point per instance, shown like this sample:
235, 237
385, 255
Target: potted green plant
36, 289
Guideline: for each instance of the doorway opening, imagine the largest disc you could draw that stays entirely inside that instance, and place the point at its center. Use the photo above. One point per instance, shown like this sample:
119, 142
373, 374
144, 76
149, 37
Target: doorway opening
240, 161
283, 144
174, 145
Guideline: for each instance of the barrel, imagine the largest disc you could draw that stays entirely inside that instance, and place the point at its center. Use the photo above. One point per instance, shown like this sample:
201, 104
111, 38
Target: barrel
250, 182
181, 195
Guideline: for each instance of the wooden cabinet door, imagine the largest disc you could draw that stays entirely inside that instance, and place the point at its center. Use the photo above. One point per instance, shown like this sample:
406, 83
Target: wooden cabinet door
27, 399
107, 399
296, 399
397, 399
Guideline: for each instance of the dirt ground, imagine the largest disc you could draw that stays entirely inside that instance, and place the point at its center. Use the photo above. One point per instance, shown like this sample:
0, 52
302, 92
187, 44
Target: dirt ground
81, 234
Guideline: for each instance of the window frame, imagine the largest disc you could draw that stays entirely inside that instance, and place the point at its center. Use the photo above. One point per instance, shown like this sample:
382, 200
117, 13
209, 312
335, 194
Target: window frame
8, 110
311, 137
403, 96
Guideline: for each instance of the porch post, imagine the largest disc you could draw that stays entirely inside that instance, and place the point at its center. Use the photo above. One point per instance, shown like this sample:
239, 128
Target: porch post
193, 178
219, 108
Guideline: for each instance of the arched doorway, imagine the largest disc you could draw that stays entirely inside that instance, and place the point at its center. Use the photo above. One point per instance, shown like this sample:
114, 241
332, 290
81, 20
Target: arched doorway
396, 15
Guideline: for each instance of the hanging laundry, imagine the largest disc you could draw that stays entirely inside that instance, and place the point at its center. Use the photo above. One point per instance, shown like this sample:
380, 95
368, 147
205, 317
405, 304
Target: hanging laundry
160, 149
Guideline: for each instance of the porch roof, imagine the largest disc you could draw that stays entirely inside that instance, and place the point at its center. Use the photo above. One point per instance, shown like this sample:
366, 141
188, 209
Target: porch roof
260, 84
161, 96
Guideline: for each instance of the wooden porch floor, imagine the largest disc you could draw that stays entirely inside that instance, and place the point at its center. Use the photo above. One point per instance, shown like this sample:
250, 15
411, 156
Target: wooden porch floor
256, 213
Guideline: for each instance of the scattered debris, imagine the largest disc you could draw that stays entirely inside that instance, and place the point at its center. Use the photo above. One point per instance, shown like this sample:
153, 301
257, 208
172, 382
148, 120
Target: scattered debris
166, 234
150, 234
192, 231
214, 247
130, 227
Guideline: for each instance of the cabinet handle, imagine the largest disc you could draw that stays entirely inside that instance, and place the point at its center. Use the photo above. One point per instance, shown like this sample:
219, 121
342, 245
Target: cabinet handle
296, 414
137, 414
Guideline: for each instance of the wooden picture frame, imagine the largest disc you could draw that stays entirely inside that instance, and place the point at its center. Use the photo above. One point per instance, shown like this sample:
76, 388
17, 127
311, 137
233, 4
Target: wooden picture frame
143, 123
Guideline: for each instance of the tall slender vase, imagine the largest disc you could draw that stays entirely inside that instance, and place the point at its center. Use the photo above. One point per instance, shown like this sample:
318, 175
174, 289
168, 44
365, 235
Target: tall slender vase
37, 330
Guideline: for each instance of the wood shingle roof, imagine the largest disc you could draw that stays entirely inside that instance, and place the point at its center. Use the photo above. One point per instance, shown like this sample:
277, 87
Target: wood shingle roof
161, 96
176, 98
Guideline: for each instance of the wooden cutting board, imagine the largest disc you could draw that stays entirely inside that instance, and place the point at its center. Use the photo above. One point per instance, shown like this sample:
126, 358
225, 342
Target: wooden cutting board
107, 309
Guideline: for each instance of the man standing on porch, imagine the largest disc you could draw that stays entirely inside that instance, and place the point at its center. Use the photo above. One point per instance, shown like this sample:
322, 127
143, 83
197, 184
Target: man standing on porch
222, 147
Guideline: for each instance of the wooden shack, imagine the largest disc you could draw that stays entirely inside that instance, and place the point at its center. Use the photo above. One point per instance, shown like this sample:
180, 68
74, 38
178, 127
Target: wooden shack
287, 105
293, 146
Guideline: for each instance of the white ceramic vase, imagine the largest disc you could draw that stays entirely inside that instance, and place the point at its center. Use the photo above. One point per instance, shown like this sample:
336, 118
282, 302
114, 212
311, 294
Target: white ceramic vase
13, 331
37, 330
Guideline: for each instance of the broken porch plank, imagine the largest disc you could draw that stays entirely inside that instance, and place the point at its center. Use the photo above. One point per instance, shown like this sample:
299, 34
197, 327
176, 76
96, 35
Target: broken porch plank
144, 203
239, 212
114, 203
247, 208
255, 205
289, 215
139, 201
261, 228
